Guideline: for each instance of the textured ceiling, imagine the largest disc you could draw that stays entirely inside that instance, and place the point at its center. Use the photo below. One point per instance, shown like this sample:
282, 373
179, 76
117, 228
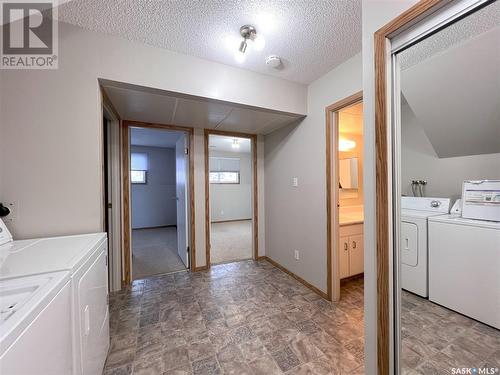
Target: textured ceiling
311, 37
467, 28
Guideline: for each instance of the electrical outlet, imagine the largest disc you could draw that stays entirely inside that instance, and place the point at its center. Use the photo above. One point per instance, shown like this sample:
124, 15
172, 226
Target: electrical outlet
295, 182
221, 212
297, 255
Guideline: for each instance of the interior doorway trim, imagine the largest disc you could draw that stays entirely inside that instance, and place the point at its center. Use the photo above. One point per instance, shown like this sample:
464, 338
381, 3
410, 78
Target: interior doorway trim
253, 139
332, 198
126, 222
110, 154
421, 20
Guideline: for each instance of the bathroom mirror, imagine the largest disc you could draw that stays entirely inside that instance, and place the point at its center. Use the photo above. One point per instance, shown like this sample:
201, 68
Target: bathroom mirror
348, 174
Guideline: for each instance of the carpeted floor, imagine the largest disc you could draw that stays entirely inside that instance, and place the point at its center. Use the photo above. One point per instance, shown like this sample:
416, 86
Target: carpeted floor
231, 241
154, 251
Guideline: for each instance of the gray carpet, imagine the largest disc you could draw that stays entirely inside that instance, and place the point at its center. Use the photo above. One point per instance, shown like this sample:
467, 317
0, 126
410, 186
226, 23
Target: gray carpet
154, 251
231, 241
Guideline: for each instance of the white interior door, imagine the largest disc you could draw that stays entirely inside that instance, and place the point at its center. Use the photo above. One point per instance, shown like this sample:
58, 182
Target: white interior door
182, 199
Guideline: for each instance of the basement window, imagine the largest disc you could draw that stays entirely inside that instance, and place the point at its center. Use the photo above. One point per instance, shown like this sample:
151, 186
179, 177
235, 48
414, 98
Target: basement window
139, 167
224, 170
224, 177
138, 177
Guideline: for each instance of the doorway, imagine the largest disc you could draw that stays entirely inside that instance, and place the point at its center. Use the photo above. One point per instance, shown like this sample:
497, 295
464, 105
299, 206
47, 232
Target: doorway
157, 173
350, 192
344, 170
231, 197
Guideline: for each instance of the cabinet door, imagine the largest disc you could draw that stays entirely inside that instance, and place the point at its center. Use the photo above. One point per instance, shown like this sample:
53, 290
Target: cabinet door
356, 256
344, 257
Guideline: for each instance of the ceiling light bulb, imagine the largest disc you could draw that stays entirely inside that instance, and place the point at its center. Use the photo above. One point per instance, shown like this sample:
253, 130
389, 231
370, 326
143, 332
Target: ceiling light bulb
243, 46
259, 42
346, 144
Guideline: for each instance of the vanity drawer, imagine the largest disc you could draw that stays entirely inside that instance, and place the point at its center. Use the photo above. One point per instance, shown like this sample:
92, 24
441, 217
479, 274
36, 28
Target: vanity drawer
350, 229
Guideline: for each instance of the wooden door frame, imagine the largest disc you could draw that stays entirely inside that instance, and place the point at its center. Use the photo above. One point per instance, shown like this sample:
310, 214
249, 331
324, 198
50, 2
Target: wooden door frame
126, 217
253, 139
115, 232
332, 176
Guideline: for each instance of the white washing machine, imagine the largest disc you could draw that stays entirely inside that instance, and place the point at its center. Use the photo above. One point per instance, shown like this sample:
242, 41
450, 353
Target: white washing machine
84, 260
464, 266
415, 212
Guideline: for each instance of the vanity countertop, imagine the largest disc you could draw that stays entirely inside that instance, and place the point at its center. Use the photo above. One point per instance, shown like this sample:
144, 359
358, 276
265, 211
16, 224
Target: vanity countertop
349, 216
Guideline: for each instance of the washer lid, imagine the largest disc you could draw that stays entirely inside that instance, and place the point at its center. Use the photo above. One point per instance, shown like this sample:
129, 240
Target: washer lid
30, 257
418, 214
5, 235
458, 220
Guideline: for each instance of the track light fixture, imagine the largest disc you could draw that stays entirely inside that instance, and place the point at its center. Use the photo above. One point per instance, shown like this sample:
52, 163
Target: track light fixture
248, 33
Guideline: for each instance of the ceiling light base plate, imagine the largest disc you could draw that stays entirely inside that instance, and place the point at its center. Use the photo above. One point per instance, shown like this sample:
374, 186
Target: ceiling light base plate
248, 32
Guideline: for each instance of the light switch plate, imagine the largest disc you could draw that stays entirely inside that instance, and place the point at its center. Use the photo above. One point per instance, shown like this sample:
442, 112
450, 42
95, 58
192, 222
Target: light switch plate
295, 181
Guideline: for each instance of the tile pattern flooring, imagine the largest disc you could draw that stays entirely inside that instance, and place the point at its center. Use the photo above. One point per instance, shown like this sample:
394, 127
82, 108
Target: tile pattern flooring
251, 318
436, 339
238, 318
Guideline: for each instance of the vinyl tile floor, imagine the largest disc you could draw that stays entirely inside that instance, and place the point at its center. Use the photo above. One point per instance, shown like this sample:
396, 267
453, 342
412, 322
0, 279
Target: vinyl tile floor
251, 318
238, 318
436, 340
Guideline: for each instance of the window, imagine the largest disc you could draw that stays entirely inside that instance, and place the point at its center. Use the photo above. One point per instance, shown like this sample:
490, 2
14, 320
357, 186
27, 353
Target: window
139, 167
224, 177
224, 170
138, 177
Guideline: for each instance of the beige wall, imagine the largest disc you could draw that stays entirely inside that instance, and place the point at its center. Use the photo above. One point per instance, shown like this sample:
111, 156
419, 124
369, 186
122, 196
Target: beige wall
420, 162
375, 14
50, 148
296, 216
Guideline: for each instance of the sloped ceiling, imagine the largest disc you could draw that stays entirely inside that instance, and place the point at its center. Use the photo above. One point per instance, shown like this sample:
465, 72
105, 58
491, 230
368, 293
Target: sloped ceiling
455, 96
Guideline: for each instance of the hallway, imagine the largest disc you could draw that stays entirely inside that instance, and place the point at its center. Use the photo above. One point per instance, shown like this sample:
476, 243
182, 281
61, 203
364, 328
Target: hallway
238, 318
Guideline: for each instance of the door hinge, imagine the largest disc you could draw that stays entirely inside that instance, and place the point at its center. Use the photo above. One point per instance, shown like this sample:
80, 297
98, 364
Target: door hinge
187, 249
186, 151
110, 205
106, 260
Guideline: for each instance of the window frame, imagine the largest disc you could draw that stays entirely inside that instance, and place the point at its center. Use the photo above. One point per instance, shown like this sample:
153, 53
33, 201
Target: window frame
238, 173
145, 174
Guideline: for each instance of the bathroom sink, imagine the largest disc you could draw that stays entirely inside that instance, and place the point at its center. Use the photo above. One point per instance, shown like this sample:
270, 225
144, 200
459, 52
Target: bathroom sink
22, 298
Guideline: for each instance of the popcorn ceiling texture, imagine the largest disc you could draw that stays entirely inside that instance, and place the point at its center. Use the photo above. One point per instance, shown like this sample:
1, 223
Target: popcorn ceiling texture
477, 23
311, 36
